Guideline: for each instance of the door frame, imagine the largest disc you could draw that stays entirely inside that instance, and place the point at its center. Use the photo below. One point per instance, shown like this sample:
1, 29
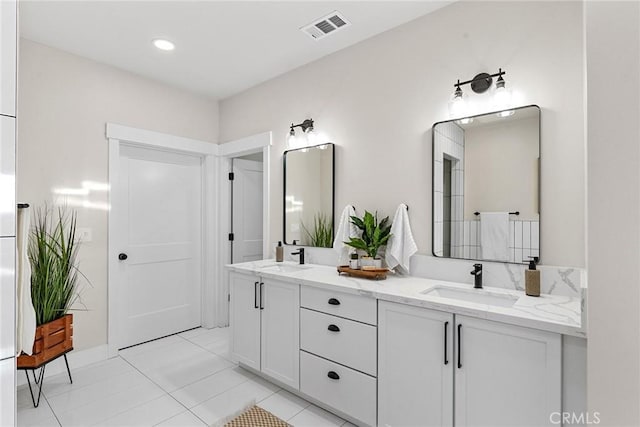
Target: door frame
118, 135
259, 143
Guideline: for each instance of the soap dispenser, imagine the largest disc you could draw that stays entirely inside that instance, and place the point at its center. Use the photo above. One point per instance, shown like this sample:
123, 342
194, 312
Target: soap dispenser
532, 278
279, 252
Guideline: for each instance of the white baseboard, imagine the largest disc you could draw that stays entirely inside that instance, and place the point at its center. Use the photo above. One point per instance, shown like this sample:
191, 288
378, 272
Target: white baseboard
77, 359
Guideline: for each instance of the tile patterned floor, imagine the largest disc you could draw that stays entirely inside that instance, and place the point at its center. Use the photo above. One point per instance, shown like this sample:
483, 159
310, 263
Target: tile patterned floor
182, 380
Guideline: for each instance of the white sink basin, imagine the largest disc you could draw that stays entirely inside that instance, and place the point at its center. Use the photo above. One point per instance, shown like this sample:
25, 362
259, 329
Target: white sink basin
478, 296
285, 268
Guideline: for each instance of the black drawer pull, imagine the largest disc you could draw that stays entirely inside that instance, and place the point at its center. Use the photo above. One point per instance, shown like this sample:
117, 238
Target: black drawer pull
446, 361
459, 345
255, 295
333, 328
333, 301
333, 375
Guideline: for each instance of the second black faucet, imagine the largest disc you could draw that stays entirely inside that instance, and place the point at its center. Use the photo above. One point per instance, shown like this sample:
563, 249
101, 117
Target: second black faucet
301, 253
477, 273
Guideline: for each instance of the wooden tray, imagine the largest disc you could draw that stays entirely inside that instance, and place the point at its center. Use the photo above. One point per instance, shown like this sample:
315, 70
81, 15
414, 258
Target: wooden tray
52, 339
371, 274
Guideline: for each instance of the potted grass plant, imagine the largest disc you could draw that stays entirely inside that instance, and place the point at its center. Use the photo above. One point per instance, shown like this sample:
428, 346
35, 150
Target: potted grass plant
53, 255
374, 235
321, 234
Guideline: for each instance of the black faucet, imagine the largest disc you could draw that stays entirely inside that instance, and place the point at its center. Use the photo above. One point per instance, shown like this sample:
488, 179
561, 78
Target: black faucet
301, 253
477, 273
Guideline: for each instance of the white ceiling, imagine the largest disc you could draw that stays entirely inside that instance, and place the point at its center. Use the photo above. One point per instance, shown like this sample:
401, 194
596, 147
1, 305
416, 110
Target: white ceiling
222, 47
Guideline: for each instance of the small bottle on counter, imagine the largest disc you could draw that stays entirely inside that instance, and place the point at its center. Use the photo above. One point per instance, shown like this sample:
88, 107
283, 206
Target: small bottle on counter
353, 262
279, 252
532, 278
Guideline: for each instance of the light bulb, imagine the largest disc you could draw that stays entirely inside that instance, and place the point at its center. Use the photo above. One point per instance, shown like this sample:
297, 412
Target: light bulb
291, 139
457, 105
312, 137
502, 97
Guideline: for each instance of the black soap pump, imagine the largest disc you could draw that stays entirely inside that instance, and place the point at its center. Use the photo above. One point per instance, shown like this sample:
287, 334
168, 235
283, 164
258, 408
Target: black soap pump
279, 252
532, 278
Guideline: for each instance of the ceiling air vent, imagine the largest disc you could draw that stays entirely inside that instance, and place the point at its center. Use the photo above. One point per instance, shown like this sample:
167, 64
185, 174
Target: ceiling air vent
326, 25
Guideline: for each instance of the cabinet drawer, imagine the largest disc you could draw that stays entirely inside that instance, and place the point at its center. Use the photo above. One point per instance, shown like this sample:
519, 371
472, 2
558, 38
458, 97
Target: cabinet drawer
344, 341
351, 392
353, 307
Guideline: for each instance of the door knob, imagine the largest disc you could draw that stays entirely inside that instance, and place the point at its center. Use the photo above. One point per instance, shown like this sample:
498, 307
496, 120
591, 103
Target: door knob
122, 257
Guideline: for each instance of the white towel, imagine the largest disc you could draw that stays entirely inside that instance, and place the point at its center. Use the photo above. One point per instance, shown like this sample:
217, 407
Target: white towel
494, 235
401, 244
345, 231
26, 315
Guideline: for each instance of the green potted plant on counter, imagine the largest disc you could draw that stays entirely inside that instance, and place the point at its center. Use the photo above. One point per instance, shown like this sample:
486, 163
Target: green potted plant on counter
374, 235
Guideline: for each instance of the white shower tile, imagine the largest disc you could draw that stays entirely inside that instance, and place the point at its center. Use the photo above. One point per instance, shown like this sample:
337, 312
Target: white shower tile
437, 237
526, 234
518, 234
512, 234
438, 176
465, 253
466, 233
535, 235
473, 233
518, 255
437, 207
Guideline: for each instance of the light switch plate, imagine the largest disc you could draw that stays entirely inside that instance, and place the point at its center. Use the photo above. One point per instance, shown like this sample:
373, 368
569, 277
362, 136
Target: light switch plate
84, 235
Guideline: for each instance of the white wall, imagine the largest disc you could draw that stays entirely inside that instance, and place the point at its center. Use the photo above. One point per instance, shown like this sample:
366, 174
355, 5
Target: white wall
613, 142
377, 100
64, 102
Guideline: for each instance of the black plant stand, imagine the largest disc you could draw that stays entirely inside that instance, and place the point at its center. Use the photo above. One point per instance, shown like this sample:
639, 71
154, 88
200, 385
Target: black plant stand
39, 378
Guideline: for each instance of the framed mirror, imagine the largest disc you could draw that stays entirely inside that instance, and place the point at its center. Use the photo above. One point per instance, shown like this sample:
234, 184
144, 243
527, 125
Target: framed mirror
309, 193
486, 186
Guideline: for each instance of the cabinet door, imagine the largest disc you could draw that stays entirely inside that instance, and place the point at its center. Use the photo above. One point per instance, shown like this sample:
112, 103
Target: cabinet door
505, 375
8, 392
415, 366
245, 319
7, 176
8, 50
280, 331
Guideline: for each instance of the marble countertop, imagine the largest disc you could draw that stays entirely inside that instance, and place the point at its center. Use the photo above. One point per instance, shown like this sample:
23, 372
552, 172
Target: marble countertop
553, 313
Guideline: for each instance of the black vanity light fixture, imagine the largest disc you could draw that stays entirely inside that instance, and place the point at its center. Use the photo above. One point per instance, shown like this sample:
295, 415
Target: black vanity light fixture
480, 84
308, 137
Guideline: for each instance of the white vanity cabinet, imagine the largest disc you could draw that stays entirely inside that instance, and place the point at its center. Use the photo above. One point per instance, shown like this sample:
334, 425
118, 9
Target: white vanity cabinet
506, 375
415, 362
264, 320
338, 351
431, 362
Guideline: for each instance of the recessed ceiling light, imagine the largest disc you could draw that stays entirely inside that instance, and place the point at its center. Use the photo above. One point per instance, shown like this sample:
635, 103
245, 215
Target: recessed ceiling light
163, 44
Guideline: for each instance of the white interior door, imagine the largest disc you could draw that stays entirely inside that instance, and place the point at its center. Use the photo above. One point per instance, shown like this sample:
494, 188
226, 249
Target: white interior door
159, 226
247, 211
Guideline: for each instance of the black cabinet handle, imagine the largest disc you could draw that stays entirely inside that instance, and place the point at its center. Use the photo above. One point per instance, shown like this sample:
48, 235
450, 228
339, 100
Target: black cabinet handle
333, 328
459, 345
255, 295
122, 256
446, 328
261, 297
333, 375
333, 301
